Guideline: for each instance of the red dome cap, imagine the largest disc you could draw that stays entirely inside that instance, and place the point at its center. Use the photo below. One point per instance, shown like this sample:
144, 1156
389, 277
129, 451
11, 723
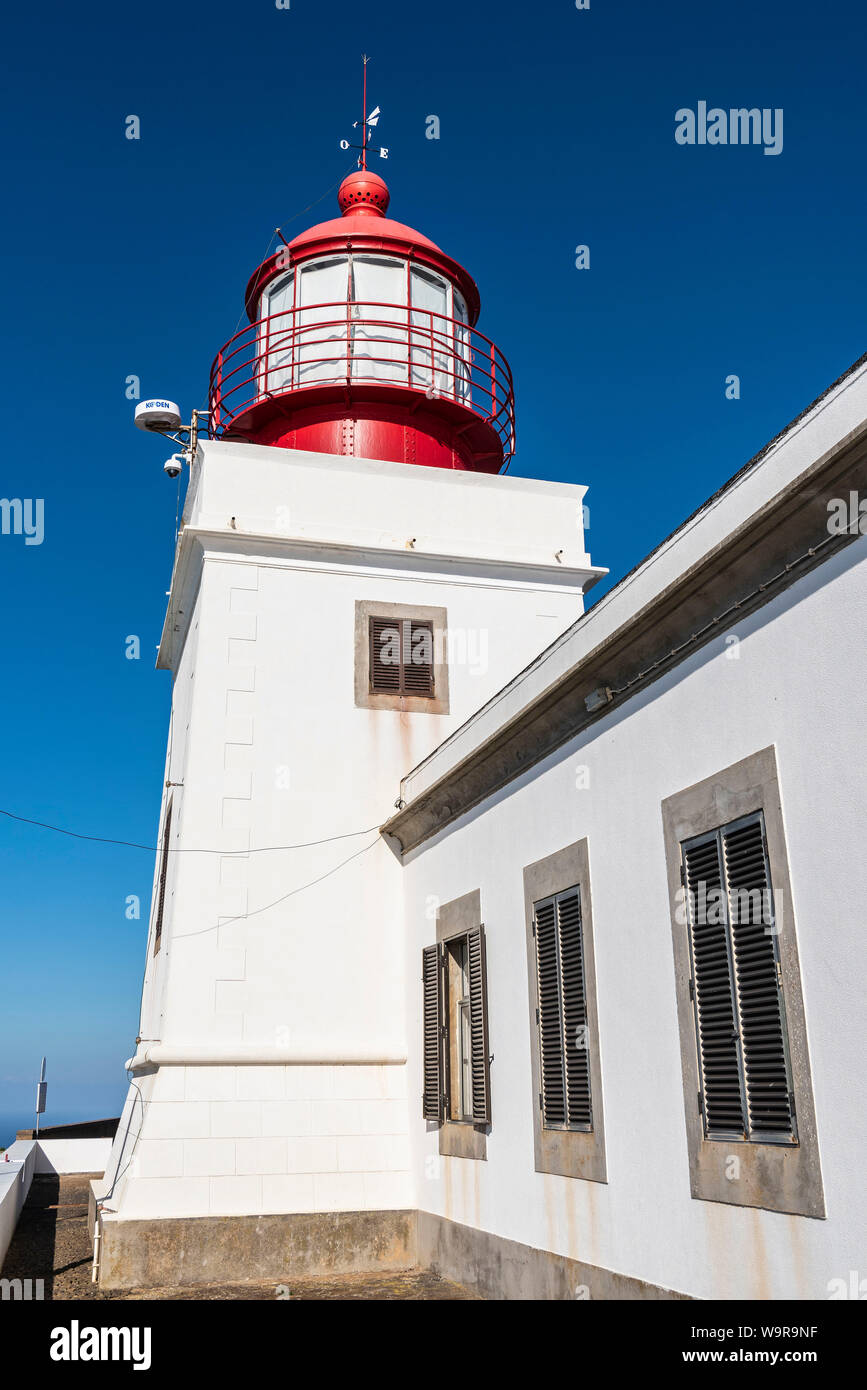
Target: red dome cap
364, 198
363, 192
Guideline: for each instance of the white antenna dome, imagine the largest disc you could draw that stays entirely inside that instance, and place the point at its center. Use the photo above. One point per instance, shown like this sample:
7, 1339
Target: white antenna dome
157, 415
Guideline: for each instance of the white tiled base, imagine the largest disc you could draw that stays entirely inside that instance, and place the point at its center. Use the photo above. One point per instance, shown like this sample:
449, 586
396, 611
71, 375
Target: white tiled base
228, 1141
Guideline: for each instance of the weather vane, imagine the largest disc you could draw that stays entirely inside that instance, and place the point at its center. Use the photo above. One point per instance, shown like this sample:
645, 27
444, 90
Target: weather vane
368, 125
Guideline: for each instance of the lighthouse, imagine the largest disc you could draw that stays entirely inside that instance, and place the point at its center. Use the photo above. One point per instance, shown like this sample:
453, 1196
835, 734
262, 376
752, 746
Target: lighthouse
354, 577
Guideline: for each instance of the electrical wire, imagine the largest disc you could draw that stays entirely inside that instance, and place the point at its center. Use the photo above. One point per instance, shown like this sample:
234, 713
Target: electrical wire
241, 916
119, 1172
152, 849
293, 892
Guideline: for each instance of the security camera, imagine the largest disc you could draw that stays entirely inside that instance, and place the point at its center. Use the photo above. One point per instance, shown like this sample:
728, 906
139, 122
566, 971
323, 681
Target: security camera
173, 465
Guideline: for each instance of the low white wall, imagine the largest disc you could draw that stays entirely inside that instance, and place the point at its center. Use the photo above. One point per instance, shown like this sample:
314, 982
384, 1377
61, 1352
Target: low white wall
30, 1156
16, 1176
72, 1155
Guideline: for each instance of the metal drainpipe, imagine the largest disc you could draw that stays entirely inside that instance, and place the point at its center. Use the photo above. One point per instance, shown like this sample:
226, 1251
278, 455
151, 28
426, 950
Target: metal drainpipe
97, 1240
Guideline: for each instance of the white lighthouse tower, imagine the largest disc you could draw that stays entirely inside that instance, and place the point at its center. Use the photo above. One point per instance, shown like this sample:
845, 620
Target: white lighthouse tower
354, 577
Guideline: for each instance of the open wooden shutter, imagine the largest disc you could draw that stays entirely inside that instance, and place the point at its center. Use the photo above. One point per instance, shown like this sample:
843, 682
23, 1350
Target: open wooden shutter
576, 1051
757, 981
161, 887
432, 1042
481, 1072
385, 663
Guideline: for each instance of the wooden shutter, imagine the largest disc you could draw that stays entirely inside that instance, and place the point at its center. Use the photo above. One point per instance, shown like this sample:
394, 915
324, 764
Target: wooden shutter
550, 1016
764, 1050
385, 655
161, 887
432, 1040
401, 657
562, 1013
576, 1049
740, 1025
481, 1072
417, 654
713, 990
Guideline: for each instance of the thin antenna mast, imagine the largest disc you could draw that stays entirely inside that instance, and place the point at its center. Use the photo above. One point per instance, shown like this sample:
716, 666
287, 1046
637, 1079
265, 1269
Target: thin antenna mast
365, 60
369, 119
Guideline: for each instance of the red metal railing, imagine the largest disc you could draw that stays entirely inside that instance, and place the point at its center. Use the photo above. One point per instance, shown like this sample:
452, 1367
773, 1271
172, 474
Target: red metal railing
370, 343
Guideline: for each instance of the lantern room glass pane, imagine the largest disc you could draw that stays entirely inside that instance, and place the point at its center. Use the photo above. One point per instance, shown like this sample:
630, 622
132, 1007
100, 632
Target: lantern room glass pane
276, 334
432, 341
347, 317
379, 324
322, 321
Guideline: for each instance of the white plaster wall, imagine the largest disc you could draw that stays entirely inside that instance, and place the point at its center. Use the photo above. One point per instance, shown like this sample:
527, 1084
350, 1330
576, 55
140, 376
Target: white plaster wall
798, 684
375, 505
278, 754
302, 951
72, 1155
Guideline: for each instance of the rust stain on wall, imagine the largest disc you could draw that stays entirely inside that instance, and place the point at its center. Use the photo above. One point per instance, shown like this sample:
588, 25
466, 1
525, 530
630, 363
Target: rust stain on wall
757, 1259
571, 1200
549, 1199
795, 1231
447, 1189
719, 1257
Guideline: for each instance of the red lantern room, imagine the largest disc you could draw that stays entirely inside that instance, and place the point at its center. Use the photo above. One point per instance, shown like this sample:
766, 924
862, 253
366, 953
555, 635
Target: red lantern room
362, 340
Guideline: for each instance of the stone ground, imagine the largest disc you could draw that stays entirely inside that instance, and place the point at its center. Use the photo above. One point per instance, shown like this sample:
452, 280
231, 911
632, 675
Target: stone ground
51, 1243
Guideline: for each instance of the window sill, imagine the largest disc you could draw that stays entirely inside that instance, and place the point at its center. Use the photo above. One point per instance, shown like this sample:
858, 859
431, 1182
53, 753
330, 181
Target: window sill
462, 1139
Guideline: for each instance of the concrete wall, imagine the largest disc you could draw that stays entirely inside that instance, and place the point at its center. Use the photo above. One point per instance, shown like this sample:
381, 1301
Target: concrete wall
15, 1179
27, 1157
797, 684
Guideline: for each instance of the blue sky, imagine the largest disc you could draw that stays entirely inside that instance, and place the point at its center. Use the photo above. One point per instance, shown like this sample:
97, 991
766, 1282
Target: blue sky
130, 257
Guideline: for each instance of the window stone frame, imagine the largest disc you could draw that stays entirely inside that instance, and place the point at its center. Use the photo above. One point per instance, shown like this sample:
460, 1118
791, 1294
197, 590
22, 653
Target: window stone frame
775, 1177
365, 698
569, 1152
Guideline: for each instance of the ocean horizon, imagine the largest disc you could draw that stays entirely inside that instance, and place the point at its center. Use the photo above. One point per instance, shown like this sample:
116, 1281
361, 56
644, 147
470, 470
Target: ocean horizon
13, 1120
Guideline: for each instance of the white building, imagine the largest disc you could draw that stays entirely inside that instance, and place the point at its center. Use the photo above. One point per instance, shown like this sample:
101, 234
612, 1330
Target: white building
423, 984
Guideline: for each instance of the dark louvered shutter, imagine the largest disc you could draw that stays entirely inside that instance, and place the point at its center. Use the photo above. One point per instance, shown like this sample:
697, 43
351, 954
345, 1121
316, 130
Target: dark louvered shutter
563, 1041
161, 887
401, 657
433, 1087
762, 1026
385, 655
550, 1016
736, 987
713, 990
481, 1074
575, 1036
418, 663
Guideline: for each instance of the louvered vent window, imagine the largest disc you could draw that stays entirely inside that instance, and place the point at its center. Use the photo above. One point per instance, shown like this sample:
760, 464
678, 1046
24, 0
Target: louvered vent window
455, 1041
561, 1014
401, 657
161, 886
736, 986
